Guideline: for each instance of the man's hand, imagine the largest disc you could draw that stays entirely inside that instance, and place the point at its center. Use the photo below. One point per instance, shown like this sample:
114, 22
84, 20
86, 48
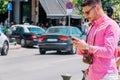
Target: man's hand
79, 44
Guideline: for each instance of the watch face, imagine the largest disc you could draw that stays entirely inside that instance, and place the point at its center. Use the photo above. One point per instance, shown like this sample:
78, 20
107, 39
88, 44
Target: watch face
87, 47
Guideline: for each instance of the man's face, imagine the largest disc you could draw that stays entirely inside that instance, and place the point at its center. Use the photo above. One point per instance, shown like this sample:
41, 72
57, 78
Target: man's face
90, 12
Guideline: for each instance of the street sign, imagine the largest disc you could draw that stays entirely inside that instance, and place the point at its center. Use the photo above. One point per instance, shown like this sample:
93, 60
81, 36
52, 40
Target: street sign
69, 11
9, 6
69, 5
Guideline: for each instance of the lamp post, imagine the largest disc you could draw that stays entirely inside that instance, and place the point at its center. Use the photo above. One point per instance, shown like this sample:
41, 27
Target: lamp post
9, 7
69, 7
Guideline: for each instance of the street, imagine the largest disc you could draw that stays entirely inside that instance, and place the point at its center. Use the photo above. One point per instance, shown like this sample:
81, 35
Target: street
27, 64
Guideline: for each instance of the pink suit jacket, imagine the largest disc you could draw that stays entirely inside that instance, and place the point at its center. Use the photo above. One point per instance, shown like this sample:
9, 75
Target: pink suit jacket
105, 36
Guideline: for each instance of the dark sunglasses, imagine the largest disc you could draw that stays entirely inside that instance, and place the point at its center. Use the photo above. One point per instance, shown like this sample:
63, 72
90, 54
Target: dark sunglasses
88, 12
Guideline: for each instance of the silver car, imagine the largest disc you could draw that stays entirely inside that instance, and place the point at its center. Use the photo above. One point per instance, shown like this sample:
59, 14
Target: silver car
4, 43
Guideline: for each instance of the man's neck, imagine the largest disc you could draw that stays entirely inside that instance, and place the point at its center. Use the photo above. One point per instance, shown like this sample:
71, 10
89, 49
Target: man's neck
100, 15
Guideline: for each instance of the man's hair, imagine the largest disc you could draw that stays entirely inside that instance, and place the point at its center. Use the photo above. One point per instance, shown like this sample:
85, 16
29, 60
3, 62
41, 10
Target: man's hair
90, 2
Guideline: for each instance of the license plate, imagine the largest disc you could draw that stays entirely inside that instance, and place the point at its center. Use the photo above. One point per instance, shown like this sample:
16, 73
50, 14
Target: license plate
50, 40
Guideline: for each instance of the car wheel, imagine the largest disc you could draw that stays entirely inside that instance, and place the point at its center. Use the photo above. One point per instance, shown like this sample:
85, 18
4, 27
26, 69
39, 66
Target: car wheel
73, 50
5, 48
23, 43
58, 51
42, 51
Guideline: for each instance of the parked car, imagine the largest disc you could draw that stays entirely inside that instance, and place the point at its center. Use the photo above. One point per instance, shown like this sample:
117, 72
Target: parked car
4, 43
59, 38
26, 35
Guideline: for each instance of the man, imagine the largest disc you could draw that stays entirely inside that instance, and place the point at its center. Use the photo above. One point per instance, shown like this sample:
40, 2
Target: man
1, 27
102, 40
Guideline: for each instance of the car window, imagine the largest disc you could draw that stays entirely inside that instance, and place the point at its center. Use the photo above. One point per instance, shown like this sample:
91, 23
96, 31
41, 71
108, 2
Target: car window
57, 30
35, 30
76, 31
14, 28
19, 30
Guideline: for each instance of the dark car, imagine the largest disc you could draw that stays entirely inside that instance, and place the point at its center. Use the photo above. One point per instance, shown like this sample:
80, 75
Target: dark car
59, 38
26, 35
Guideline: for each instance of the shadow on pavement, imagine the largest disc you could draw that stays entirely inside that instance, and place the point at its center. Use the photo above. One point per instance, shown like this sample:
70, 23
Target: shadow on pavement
55, 53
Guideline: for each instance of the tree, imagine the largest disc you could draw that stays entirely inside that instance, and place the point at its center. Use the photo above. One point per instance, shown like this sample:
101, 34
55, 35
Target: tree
77, 5
114, 4
3, 6
116, 14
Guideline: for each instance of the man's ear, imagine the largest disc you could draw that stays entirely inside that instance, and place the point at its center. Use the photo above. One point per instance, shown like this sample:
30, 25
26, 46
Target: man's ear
98, 7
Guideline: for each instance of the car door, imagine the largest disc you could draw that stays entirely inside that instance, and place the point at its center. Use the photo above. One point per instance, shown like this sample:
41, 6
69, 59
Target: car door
1, 39
17, 33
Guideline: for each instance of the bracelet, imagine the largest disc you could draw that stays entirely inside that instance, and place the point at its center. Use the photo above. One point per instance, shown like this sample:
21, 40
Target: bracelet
87, 47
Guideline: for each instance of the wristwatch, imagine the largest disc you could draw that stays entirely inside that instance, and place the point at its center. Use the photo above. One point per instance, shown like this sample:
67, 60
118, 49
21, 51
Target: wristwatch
87, 47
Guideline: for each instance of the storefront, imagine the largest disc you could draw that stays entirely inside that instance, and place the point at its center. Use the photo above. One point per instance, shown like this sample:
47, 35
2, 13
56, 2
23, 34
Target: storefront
55, 11
42, 11
21, 10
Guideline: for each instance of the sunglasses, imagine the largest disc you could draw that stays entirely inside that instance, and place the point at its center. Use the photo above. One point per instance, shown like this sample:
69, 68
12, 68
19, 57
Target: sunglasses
88, 12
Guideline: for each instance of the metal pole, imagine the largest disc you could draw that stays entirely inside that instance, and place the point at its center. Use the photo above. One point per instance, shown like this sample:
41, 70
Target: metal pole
8, 18
69, 20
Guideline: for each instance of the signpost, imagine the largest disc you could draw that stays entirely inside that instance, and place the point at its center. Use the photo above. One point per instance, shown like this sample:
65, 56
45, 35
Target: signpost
69, 7
9, 7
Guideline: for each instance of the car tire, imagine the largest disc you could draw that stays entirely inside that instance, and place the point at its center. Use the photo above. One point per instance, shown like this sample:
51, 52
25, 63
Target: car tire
42, 51
59, 52
23, 43
5, 48
73, 50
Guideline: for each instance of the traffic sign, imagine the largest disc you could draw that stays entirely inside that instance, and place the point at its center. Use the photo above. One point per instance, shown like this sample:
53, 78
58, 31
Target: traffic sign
69, 11
69, 5
9, 6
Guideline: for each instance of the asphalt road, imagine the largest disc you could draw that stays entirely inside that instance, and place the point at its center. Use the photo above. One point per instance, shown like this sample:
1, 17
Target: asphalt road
27, 64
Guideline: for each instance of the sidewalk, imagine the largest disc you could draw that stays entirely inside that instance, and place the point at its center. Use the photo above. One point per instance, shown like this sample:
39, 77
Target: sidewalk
12, 46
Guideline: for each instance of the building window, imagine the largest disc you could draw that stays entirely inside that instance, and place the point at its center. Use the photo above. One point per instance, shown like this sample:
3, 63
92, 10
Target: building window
25, 12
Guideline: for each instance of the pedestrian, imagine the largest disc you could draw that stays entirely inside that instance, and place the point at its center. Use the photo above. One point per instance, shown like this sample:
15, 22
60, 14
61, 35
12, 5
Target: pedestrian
101, 43
1, 27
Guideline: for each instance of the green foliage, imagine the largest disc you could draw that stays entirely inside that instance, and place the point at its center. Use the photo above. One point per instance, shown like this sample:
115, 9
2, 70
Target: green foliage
3, 6
113, 3
116, 14
77, 4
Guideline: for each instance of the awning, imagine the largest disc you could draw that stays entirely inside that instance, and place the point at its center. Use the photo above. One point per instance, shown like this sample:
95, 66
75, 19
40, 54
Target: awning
56, 9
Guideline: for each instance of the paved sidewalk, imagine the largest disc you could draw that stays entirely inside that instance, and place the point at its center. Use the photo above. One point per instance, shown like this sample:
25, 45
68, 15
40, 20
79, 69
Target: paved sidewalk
12, 46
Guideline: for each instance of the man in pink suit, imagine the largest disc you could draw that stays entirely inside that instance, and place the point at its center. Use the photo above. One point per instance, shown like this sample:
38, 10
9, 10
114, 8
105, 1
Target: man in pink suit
102, 41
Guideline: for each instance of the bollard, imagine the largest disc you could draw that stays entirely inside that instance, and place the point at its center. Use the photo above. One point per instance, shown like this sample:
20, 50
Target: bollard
83, 78
14, 41
66, 77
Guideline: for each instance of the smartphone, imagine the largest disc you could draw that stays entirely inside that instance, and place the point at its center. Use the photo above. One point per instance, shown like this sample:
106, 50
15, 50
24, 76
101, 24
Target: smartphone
74, 38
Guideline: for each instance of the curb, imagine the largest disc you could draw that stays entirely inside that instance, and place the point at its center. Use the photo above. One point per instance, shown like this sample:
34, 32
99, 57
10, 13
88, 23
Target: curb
13, 47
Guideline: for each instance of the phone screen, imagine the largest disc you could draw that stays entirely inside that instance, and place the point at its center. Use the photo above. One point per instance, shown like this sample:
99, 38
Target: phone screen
74, 38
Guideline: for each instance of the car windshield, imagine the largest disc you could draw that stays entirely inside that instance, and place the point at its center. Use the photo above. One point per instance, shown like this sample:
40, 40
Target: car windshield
35, 30
63, 31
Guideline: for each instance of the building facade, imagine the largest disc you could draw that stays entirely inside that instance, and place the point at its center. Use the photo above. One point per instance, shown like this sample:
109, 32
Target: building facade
42, 11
